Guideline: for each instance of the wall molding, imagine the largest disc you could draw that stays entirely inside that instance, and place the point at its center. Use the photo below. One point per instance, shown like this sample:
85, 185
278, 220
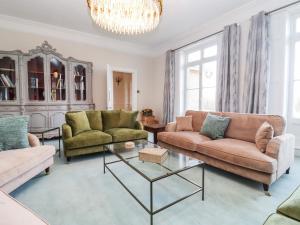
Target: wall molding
43, 29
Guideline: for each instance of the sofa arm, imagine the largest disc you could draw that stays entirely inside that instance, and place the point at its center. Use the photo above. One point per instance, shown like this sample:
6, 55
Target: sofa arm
171, 127
139, 125
33, 140
282, 148
66, 131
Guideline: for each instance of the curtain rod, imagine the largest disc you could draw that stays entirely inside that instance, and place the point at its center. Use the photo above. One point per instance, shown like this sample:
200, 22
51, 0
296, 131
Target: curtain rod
218, 32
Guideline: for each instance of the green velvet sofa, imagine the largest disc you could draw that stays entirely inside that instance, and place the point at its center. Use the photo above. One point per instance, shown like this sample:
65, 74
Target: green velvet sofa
86, 132
288, 212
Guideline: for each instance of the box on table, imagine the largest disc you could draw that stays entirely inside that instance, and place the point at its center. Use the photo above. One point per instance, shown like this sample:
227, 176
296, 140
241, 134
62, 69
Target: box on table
154, 155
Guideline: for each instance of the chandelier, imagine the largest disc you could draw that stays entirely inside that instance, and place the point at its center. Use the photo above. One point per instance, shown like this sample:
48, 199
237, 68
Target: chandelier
126, 16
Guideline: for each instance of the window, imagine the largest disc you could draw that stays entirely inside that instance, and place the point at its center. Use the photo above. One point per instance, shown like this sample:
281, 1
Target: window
295, 75
200, 72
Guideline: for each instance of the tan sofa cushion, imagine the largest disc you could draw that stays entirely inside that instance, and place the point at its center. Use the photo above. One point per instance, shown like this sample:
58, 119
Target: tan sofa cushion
16, 162
183, 139
244, 126
239, 153
184, 123
14, 213
263, 135
199, 117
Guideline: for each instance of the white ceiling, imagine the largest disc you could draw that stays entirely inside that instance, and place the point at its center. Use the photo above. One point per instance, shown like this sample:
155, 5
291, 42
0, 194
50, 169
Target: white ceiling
179, 16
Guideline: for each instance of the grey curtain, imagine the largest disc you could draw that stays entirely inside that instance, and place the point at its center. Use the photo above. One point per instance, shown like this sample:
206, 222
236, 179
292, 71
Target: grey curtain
169, 88
257, 65
228, 75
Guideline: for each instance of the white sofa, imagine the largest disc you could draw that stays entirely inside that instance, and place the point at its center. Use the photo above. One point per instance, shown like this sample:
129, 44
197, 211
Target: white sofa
20, 165
14, 213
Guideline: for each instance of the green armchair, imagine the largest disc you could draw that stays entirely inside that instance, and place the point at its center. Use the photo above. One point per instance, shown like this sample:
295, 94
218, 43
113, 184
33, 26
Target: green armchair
288, 212
87, 132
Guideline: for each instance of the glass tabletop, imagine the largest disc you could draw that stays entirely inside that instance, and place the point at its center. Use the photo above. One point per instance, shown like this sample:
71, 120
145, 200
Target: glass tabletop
175, 162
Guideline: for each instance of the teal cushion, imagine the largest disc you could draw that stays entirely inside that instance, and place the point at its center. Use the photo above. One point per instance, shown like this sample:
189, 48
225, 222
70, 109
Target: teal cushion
215, 126
13, 132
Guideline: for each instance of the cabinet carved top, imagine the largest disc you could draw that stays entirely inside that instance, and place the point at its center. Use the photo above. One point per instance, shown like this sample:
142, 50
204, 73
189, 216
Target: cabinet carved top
45, 48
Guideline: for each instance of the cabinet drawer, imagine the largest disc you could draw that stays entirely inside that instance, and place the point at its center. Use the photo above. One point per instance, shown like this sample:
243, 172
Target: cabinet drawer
36, 108
58, 108
9, 108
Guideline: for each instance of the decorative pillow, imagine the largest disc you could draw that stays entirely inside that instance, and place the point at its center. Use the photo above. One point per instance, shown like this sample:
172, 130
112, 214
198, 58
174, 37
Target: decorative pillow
78, 122
95, 119
263, 135
184, 123
13, 132
214, 126
110, 119
128, 119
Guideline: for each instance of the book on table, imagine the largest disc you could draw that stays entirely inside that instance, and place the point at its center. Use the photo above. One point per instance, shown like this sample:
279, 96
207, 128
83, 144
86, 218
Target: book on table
154, 155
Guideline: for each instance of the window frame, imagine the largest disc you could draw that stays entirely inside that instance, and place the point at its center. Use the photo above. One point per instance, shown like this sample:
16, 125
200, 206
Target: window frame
294, 38
199, 47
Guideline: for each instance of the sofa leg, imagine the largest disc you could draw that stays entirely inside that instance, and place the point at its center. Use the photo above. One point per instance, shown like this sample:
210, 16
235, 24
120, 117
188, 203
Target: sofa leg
266, 189
68, 159
287, 171
47, 171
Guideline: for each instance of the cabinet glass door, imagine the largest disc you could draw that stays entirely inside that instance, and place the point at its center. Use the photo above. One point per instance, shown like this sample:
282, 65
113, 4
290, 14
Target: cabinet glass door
36, 81
7, 79
80, 83
57, 80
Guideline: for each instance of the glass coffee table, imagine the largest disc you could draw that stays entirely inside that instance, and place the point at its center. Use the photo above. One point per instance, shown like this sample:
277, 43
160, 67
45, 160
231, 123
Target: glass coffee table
153, 172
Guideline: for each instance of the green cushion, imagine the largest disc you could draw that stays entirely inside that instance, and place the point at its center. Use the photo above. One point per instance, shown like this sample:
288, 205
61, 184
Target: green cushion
110, 119
95, 119
78, 122
215, 126
128, 119
277, 219
291, 206
13, 132
126, 134
87, 139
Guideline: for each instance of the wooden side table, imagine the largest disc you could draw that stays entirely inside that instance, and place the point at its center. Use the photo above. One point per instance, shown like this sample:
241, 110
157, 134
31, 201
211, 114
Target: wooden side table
155, 129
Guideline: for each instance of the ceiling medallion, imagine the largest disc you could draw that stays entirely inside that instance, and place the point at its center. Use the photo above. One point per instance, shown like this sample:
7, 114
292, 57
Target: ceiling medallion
126, 16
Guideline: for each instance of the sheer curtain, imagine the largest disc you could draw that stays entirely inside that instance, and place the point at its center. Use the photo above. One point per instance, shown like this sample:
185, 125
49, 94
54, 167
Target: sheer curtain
169, 88
228, 77
257, 65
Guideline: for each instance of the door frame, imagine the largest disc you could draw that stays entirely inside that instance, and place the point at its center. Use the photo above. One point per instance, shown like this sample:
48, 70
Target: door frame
134, 91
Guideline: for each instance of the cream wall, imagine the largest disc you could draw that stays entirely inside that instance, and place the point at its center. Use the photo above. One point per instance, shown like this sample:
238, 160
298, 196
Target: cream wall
16, 40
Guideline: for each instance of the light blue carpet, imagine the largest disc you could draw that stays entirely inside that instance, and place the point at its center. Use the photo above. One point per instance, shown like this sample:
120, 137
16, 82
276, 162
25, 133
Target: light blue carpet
80, 194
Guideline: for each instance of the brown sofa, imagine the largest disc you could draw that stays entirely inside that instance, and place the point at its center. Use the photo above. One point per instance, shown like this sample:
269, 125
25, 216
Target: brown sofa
237, 152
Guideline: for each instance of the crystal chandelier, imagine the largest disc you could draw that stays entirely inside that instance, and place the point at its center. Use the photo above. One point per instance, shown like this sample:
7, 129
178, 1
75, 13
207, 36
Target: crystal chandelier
126, 16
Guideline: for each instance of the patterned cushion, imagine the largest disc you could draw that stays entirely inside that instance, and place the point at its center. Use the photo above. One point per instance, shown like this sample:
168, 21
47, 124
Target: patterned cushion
127, 119
215, 126
13, 132
263, 135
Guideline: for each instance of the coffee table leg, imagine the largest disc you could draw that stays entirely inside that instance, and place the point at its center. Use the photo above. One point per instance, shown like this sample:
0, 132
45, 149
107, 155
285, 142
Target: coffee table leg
104, 160
59, 142
151, 203
203, 182
43, 141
